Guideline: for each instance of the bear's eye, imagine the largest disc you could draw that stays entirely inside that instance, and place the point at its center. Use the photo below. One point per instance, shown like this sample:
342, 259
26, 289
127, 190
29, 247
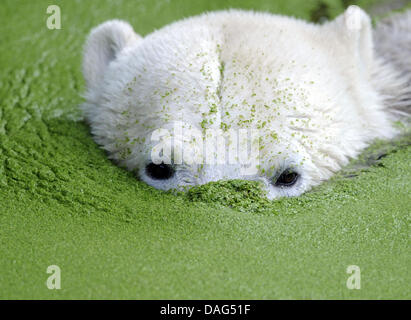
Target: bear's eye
287, 178
159, 171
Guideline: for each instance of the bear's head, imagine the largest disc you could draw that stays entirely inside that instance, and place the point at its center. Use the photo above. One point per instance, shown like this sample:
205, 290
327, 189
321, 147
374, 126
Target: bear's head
234, 95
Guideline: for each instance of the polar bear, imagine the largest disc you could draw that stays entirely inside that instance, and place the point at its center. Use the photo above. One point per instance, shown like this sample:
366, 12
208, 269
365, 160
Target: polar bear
301, 98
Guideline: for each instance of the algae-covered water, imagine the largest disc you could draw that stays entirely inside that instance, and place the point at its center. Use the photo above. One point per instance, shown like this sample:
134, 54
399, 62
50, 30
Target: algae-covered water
62, 202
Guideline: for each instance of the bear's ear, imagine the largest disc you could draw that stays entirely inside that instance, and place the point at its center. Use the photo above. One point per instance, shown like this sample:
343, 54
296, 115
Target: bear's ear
103, 46
355, 29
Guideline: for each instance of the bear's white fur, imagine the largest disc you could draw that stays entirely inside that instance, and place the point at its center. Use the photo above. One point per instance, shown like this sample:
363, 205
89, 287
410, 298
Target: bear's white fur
317, 94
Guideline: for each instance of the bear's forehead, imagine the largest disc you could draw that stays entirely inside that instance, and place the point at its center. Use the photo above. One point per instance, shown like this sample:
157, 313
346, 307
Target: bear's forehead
206, 85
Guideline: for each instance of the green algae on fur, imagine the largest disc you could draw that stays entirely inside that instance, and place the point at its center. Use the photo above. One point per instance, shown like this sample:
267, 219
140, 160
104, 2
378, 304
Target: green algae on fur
240, 195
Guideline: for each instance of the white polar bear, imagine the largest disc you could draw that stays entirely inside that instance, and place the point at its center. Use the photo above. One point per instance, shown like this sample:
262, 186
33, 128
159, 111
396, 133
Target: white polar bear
316, 95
